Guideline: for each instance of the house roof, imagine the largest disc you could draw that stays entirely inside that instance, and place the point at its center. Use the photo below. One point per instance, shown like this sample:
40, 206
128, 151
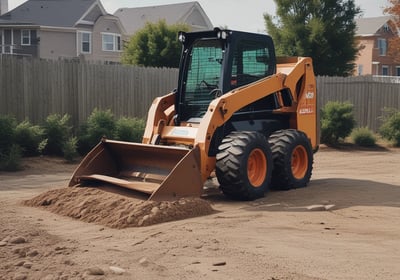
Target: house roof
134, 19
370, 26
59, 13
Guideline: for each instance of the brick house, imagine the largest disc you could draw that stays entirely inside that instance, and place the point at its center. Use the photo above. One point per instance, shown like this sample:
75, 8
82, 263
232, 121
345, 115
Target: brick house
374, 36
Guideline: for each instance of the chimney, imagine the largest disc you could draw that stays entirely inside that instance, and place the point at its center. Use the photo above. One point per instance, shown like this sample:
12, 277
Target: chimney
3, 6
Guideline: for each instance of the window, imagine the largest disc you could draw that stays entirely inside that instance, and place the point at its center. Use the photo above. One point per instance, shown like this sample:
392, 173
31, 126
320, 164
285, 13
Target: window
385, 70
397, 70
111, 42
382, 46
86, 39
25, 37
360, 69
204, 70
251, 62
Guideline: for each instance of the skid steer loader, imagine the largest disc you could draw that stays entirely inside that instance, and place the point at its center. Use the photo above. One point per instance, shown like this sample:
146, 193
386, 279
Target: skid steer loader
238, 110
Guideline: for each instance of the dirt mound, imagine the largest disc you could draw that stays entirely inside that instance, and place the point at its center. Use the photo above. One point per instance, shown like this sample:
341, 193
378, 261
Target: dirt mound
113, 210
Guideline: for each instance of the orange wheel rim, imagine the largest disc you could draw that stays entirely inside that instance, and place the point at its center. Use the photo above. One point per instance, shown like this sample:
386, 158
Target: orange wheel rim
257, 167
299, 162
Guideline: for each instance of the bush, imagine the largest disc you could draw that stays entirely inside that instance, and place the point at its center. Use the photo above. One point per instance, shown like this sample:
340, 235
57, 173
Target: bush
11, 160
337, 122
99, 124
28, 137
7, 133
390, 128
57, 131
70, 149
130, 129
363, 136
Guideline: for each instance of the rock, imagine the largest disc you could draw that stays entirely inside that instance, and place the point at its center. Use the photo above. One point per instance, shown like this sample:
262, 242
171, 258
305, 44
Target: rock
28, 265
330, 207
144, 261
219, 263
117, 270
33, 253
20, 263
95, 271
155, 210
6, 239
316, 207
20, 276
3, 243
18, 240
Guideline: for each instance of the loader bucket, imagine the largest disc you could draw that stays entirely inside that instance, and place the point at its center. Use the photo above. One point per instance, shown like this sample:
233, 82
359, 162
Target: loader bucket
161, 172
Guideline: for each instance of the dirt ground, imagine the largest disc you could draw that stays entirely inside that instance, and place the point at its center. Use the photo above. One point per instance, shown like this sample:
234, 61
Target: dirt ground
344, 225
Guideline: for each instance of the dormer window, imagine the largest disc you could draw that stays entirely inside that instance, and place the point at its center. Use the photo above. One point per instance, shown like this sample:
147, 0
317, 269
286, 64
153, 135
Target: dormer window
386, 28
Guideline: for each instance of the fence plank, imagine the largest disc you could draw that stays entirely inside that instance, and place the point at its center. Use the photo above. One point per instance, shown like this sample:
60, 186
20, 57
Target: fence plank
32, 89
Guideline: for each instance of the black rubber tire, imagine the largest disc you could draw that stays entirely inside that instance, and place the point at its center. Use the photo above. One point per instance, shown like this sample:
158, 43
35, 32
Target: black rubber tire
284, 143
232, 165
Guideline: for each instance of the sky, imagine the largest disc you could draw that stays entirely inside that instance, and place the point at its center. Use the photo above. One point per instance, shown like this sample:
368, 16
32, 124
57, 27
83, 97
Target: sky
234, 14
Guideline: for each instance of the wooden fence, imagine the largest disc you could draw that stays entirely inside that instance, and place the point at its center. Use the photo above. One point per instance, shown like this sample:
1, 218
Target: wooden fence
32, 89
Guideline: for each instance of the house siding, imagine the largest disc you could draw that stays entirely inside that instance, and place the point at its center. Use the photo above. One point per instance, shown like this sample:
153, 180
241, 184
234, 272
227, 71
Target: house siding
105, 25
55, 44
12, 42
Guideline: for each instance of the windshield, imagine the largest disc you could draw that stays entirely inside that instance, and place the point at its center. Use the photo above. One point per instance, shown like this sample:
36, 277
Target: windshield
202, 82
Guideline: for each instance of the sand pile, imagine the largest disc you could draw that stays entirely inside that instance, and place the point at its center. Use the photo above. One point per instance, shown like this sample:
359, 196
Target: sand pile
117, 211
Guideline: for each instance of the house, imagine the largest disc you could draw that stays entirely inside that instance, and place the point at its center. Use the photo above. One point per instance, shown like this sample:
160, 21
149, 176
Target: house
3, 6
67, 29
190, 13
374, 36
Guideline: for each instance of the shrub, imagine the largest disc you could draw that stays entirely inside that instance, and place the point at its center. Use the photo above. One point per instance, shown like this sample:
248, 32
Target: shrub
390, 128
28, 137
7, 133
70, 149
57, 131
130, 129
99, 124
337, 121
11, 160
363, 136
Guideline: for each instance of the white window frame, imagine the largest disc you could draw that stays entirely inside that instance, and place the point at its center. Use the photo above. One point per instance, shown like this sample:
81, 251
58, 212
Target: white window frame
81, 34
23, 36
116, 42
382, 46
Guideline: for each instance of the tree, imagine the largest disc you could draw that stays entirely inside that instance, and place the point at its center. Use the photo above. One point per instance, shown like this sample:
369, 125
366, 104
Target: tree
394, 43
322, 29
155, 45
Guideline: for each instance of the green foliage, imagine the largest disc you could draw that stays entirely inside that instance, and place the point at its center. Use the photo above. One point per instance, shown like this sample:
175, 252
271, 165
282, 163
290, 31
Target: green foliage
7, 133
324, 30
57, 131
11, 160
70, 149
363, 136
155, 45
337, 121
390, 128
130, 129
99, 124
10, 153
28, 137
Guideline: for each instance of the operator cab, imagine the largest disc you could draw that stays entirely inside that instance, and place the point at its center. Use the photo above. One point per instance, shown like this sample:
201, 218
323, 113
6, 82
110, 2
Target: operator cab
216, 62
